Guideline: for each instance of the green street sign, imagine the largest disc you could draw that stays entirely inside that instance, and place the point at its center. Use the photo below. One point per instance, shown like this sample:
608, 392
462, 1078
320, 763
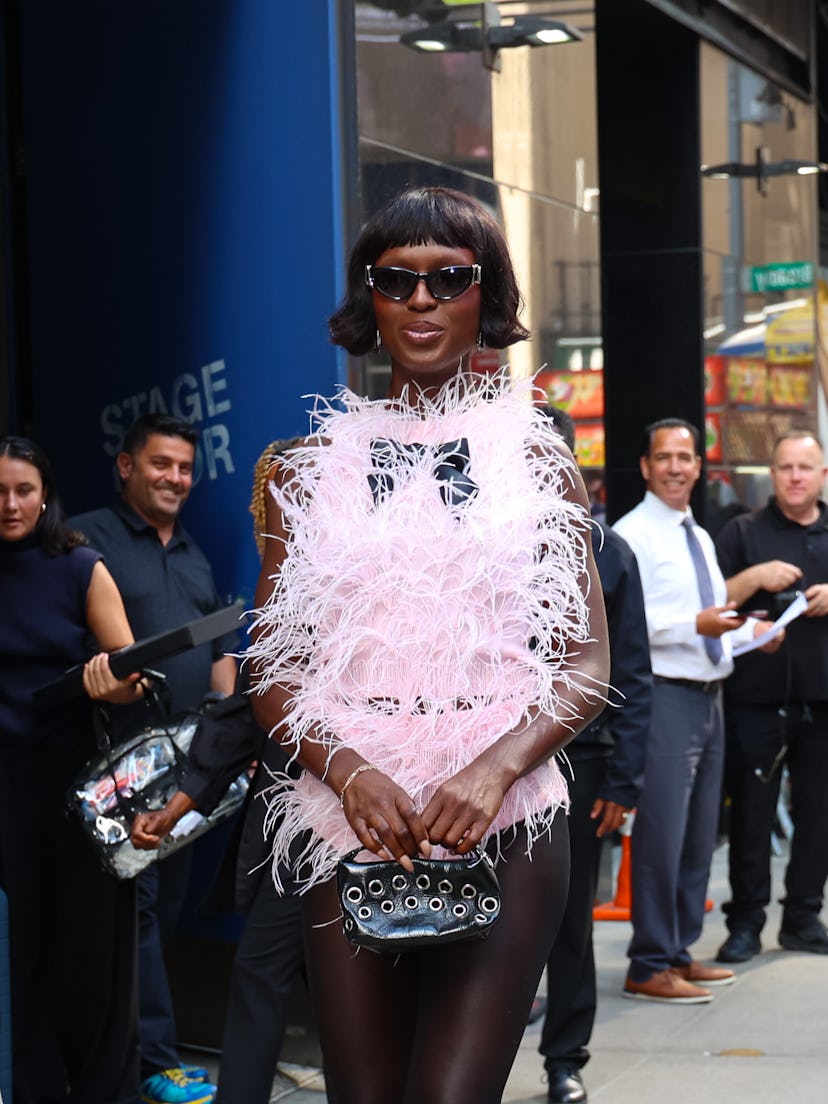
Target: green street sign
781, 277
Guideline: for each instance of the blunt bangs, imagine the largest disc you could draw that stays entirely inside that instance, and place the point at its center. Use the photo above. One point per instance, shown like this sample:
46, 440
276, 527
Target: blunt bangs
424, 216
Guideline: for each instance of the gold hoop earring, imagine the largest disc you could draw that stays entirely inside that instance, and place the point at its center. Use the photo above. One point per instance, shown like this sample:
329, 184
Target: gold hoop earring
42, 507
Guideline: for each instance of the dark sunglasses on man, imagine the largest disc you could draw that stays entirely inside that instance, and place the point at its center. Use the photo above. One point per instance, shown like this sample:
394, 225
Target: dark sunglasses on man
442, 283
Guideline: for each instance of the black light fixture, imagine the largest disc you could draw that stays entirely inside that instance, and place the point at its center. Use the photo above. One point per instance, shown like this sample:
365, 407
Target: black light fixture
533, 30
488, 34
760, 169
446, 37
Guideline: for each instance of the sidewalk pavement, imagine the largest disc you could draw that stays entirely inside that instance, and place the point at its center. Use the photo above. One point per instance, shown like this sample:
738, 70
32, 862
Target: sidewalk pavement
763, 1040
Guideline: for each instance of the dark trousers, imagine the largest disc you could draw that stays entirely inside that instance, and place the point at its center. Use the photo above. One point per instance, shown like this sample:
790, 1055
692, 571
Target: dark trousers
72, 944
754, 737
570, 968
675, 827
162, 887
269, 955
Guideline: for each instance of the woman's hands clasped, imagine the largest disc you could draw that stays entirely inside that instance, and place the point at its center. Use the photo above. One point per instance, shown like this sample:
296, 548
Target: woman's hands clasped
384, 818
464, 806
387, 822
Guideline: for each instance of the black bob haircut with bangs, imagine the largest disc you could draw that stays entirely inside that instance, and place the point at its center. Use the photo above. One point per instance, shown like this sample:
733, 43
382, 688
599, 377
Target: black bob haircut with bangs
431, 216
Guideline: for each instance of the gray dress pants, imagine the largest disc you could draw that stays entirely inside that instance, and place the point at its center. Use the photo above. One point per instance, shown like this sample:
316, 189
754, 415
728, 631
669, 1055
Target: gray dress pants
676, 825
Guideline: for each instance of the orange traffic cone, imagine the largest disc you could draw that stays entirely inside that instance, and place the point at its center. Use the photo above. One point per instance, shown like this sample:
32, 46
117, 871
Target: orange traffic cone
620, 906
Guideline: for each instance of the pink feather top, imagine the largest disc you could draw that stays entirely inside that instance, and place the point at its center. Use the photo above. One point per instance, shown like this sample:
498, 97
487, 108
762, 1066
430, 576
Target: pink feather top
417, 620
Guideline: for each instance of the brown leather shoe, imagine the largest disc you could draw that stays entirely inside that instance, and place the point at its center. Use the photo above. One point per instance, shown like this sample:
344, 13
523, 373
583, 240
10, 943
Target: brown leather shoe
699, 974
668, 987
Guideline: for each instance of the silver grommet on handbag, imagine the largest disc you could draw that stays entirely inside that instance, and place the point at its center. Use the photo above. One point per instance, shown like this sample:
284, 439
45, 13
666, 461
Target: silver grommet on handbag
375, 887
364, 912
353, 895
399, 882
387, 906
348, 925
488, 904
479, 918
468, 891
435, 904
411, 902
459, 910
423, 881
444, 886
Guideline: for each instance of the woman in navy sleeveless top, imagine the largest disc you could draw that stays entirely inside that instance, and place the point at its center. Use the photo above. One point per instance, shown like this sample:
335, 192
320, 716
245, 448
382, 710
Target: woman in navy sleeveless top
71, 926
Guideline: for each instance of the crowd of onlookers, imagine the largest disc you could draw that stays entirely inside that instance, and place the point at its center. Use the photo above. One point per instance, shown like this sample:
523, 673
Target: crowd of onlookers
720, 727
708, 698
92, 1011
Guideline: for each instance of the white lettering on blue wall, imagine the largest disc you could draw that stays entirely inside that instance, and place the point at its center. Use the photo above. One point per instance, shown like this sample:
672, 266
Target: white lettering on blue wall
196, 397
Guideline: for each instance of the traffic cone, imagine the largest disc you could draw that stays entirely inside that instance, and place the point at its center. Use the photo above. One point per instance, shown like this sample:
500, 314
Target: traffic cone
620, 906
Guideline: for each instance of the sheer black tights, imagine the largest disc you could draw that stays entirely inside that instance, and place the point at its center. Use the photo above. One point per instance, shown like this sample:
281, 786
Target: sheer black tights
441, 1026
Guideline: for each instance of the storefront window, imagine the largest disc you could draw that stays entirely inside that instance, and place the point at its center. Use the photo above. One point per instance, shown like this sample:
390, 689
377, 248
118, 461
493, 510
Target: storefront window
760, 277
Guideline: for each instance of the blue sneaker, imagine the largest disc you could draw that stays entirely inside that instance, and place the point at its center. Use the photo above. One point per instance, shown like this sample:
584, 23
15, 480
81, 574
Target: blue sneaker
173, 1086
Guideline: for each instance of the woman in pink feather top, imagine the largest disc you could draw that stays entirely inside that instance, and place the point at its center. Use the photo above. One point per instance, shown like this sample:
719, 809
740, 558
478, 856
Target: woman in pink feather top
429, 634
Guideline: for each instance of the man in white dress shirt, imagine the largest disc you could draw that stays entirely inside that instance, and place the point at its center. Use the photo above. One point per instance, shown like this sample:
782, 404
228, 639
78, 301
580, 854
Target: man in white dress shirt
689, 622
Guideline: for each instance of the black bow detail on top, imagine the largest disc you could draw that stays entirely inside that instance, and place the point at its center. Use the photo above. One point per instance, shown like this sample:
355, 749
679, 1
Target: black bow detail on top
451, 462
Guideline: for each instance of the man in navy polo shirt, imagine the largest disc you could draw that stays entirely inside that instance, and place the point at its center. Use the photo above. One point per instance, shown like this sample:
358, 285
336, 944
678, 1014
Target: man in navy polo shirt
165, 581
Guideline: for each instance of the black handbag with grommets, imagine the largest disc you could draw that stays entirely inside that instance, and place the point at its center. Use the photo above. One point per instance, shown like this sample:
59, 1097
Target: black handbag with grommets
387, 909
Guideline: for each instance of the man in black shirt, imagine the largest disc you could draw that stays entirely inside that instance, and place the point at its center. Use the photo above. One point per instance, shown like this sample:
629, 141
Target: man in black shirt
777, 706
165, 581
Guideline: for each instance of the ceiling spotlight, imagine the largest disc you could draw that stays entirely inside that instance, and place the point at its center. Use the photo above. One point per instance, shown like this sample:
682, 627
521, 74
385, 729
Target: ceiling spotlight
446, 37
801, 168
728, 169
531, 30
760, 169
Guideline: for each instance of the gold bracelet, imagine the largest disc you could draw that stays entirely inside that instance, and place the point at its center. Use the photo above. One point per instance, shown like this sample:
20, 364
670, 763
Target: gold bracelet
362, 767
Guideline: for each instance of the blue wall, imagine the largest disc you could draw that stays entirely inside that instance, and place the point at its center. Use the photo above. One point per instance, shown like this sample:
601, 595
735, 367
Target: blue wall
183, 196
